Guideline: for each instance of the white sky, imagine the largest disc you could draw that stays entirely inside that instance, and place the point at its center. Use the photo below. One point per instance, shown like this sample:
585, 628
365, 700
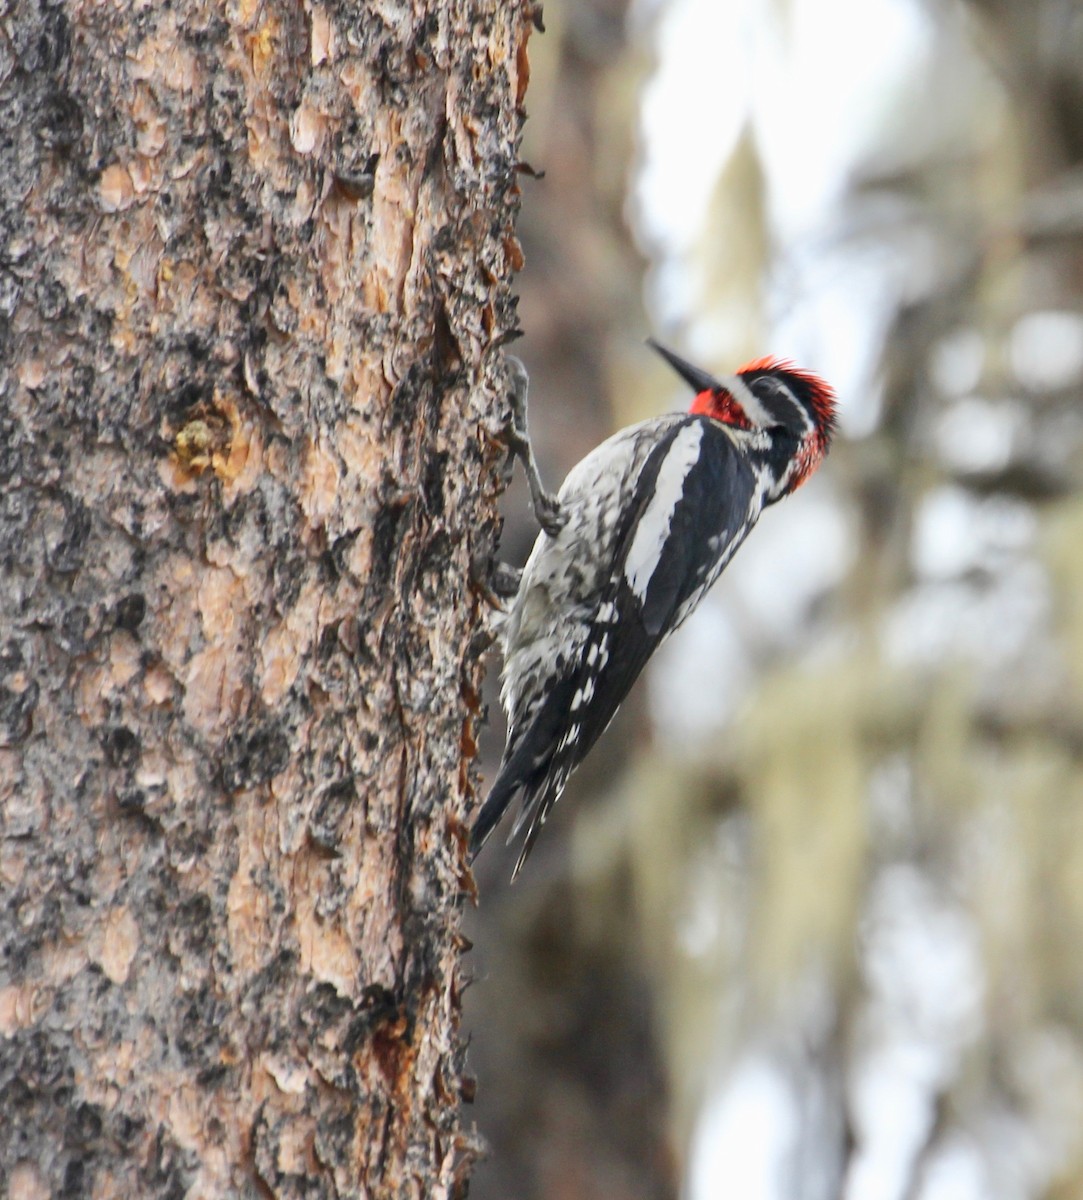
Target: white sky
815, 87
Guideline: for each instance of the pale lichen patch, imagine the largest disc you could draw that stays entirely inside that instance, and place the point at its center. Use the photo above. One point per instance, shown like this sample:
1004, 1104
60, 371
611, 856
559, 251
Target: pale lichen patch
307, 128
124, 656
115, 944
20, 1007
214, 687
218, 597
158, 685
322, 36
326, 952
115, 188
291, 1074
295, 1158
284, 649
26, 1183
248, 923
319, 482
32, 373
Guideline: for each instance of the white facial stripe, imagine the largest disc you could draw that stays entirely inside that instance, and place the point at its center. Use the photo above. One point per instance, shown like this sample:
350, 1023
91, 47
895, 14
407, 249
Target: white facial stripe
746, 398
652, 531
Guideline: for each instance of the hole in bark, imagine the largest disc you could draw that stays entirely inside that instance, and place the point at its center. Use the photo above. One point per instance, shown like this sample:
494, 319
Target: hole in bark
122, 747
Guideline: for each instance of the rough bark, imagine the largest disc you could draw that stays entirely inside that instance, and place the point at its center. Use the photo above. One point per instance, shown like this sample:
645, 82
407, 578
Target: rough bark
254, 267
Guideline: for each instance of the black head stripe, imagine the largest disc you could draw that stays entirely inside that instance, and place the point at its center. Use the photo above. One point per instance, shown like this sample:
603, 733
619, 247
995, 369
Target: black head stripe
787, 399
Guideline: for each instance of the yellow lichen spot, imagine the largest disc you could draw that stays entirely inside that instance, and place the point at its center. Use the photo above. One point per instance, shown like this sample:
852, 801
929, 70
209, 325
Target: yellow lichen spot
193, 445
212, 437
115, 188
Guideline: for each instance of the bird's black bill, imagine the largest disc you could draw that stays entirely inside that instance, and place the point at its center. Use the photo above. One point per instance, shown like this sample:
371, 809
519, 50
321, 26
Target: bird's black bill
698, 379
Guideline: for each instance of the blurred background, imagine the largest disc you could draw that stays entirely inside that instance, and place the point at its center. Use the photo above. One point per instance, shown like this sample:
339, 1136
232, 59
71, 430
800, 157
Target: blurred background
809, 922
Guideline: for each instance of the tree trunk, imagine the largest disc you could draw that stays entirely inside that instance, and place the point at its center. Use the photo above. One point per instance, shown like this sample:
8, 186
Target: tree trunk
255, 263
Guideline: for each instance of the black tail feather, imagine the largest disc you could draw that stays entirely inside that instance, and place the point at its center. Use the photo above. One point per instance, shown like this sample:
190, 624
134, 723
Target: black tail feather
536, 806
533, 768
495, 806
540, 789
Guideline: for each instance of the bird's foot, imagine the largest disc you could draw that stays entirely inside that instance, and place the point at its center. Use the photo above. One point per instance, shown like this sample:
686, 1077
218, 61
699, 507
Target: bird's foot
547, 509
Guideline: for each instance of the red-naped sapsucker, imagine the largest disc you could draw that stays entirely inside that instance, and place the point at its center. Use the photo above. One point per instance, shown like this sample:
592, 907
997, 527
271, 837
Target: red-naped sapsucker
639, 531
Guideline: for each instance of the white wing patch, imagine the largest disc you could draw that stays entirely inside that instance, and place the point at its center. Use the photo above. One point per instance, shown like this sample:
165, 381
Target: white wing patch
652, 531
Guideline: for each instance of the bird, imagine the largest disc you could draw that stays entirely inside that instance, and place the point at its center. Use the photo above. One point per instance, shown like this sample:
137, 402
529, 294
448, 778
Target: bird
636, 536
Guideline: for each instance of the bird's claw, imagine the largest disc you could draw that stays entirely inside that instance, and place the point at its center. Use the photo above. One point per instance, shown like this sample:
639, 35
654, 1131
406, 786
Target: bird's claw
551, 516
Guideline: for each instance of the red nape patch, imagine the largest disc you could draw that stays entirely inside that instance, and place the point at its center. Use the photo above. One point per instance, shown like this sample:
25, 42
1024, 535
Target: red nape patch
721, 406
807, 461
